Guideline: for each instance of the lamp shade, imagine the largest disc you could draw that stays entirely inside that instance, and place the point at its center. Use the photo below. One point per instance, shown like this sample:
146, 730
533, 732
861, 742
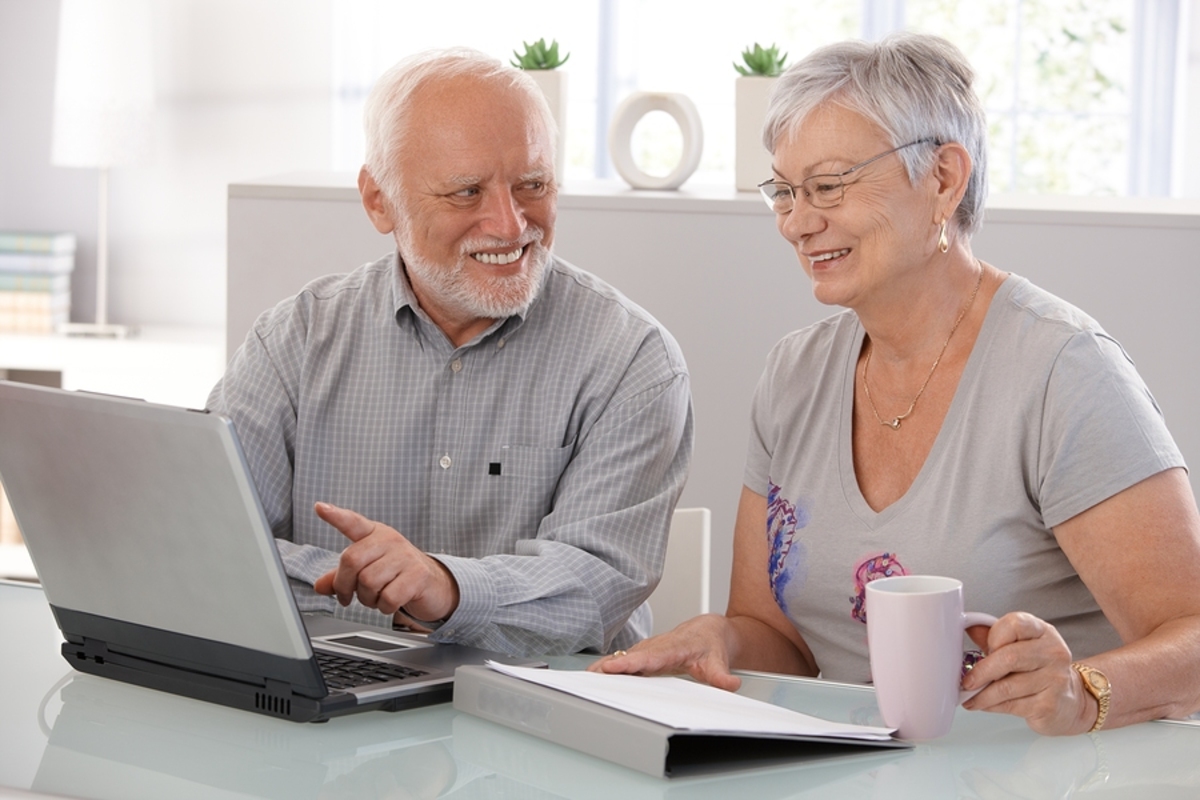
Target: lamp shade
104, 85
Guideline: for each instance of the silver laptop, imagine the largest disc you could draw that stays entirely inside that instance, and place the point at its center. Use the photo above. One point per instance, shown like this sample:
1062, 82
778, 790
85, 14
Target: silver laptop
156, 558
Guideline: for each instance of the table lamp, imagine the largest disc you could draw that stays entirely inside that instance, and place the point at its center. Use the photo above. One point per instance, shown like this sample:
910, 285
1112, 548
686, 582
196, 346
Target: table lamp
103, 102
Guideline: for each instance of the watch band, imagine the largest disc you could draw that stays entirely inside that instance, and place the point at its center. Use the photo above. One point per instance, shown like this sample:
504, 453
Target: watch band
1096, 682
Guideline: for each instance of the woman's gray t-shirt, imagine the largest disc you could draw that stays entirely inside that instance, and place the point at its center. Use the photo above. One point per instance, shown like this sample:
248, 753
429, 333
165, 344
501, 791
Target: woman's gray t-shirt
1049, 418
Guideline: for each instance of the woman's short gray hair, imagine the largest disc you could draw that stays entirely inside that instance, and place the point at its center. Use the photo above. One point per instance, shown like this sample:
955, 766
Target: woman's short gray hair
913, 86
391, 97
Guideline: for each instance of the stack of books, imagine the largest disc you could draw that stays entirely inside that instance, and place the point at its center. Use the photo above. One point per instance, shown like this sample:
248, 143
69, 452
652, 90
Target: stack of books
35, 281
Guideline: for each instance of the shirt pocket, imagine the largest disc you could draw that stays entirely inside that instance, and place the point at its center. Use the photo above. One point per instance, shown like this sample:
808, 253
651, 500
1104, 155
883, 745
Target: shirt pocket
521, 484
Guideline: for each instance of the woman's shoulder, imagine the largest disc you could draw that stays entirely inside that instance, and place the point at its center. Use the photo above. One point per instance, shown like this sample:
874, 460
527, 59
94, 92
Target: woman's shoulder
817, 340
1034, 321
1028, 302
1041, 340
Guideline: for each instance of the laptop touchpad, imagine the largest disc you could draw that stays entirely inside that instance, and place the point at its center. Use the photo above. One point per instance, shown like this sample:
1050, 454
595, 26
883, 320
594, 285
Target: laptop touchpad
369, 643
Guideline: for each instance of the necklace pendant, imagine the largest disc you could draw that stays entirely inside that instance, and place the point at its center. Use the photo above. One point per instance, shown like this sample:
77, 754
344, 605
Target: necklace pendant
894, 424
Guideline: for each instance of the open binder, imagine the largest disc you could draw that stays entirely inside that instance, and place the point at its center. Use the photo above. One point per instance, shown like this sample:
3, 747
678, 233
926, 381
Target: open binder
632, 741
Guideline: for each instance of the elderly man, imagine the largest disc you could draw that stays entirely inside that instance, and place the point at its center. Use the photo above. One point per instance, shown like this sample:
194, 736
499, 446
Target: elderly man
468, 435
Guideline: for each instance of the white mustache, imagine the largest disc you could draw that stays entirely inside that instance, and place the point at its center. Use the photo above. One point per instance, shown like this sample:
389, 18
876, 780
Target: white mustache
532, 235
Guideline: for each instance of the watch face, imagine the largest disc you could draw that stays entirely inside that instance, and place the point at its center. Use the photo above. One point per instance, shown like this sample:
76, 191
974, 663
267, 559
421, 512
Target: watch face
1097, 680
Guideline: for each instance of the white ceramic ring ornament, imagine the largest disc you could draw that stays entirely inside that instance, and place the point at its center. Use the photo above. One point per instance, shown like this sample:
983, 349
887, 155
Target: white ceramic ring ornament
626, 118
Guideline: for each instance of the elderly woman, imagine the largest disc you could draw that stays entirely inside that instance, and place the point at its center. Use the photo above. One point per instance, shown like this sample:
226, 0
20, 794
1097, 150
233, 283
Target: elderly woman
953, 420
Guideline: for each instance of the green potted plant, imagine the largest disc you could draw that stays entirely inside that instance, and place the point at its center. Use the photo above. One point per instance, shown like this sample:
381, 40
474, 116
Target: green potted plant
542, 62
757, 73
764, 61
539, 55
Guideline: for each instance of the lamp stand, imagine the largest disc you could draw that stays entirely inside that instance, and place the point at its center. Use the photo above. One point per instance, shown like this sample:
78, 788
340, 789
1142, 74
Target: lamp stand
101, 327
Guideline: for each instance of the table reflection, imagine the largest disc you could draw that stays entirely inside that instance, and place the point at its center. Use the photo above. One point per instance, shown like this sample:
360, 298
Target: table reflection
108, 737
997, 757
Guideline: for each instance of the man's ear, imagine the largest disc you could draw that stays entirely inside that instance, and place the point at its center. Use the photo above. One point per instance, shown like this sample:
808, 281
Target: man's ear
375, 202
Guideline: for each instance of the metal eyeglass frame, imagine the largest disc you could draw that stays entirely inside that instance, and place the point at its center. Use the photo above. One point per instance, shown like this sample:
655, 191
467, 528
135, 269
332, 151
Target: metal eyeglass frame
770, 189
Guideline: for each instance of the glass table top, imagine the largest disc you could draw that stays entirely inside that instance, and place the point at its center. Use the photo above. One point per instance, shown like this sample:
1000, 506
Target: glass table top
69, 734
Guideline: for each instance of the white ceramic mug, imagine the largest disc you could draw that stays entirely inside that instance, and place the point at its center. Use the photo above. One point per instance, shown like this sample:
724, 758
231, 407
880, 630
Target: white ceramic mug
915, 626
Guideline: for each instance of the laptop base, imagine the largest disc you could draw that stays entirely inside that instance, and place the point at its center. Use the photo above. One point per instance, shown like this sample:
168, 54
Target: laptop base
273, 701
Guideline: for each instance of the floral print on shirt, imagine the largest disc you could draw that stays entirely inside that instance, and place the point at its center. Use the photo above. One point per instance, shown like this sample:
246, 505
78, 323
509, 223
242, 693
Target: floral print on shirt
882, 565
787, 562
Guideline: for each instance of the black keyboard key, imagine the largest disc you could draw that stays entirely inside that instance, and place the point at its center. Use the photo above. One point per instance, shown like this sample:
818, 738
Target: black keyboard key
343, 672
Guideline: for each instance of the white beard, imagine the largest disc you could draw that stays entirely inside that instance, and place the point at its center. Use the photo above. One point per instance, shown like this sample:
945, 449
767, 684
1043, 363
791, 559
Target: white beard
472, 296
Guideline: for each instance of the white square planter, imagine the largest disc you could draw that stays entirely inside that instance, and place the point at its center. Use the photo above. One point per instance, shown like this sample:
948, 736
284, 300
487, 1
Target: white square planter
553, 83
752, 163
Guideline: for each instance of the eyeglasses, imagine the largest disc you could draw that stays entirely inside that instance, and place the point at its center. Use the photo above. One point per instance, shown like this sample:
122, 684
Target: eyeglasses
821, 191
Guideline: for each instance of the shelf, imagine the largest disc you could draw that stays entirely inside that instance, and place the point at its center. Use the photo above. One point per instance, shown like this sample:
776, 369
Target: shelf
175, 366
15, 563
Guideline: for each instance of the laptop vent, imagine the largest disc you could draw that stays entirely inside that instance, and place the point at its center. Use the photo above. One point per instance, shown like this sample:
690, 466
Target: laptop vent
272, 704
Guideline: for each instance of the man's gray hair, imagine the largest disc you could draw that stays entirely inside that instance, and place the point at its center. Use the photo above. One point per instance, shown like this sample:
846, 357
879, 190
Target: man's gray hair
391, 97
913, 86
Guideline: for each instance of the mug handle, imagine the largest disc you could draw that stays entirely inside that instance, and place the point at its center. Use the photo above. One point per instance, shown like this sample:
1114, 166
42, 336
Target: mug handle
970, 619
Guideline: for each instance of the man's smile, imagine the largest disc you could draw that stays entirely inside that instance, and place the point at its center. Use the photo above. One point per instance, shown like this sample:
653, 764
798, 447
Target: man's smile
499, 258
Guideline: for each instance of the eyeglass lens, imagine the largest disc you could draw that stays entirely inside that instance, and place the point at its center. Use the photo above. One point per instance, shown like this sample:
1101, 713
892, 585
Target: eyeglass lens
821, 191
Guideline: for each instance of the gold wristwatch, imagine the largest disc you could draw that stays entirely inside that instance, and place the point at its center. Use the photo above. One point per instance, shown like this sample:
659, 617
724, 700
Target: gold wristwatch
1098, 686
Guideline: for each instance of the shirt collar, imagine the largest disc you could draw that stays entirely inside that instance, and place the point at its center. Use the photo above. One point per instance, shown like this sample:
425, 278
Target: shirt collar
402, 291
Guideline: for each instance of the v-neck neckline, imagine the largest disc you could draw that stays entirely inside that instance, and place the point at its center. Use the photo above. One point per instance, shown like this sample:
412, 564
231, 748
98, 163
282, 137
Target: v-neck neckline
950, 424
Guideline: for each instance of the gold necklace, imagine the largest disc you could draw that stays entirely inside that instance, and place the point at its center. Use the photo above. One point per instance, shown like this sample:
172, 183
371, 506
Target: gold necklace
894, 423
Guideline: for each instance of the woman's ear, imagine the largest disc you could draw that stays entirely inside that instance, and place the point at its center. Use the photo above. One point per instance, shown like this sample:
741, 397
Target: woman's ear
951, 172
375, 202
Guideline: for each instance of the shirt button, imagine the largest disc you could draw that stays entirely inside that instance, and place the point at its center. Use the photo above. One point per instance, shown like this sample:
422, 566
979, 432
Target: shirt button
445, 462
500, 344
456, 365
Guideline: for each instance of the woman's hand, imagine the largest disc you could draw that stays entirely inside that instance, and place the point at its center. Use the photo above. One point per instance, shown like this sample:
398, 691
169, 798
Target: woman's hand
697, 647
753, 634
1027, 672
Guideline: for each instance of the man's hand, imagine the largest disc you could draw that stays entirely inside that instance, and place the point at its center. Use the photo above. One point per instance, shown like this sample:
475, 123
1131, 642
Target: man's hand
385, 570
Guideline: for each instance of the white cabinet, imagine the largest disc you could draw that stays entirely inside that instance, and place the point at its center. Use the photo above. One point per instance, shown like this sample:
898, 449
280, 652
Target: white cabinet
175, 366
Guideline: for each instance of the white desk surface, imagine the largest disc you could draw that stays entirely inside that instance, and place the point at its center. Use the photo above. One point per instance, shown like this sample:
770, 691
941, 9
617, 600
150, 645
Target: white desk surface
72, 735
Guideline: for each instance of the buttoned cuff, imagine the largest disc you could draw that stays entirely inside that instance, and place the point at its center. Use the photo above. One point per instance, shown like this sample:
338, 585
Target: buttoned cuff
476, 601
303, 565
308, 600
304, 562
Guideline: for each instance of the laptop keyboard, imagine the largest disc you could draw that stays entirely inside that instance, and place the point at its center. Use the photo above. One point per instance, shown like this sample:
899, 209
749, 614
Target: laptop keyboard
344, 672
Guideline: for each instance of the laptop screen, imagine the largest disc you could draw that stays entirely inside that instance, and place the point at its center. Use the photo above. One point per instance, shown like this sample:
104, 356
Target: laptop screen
145, 514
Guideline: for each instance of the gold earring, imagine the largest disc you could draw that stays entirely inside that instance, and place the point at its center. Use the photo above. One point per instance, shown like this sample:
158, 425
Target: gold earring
943, 242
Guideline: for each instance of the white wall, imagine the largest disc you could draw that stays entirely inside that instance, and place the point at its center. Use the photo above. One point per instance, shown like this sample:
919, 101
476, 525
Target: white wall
243, 87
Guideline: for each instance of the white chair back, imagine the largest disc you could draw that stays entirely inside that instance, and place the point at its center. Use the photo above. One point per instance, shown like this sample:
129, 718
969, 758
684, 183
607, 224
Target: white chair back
684, 590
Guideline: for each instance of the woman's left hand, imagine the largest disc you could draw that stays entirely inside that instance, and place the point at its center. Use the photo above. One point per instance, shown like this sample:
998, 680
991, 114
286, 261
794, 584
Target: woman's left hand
1027, 672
